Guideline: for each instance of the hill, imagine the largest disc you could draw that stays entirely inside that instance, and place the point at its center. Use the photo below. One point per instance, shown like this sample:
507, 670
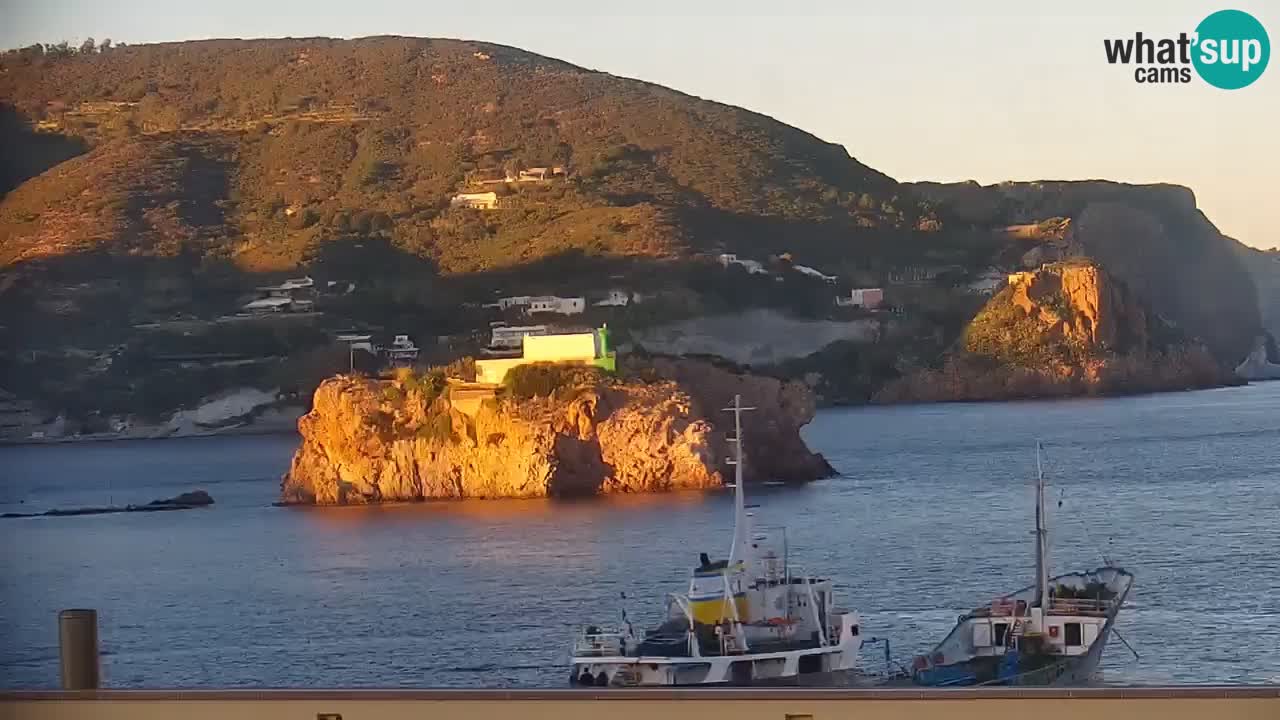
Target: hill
307, 140
156, 186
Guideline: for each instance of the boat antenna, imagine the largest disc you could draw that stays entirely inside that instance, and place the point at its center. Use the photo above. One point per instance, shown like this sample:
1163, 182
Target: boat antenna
741, 533
1042, 536
626, 620
1103, 553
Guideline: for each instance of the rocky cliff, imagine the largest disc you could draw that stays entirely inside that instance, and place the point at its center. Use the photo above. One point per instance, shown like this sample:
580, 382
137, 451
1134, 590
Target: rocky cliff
1152, 237
1068, 328
583, 433
1263, 363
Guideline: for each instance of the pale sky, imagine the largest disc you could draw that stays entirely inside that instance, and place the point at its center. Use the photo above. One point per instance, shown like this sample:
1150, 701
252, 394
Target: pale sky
920, 90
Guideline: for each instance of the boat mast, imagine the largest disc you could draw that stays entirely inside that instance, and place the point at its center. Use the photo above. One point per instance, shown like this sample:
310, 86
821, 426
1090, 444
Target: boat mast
1042, 537
741, 530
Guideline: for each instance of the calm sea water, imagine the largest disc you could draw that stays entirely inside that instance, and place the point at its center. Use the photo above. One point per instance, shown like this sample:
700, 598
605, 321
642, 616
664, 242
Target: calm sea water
931, 516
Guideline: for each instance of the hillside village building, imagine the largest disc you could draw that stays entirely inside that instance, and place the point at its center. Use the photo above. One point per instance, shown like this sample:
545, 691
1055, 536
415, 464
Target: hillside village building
867, 298
539, 173
401, 351
584, 348
507, 303
559, 305
477, 201
753, 267
511, 337
542, 304
617, 298
292, 295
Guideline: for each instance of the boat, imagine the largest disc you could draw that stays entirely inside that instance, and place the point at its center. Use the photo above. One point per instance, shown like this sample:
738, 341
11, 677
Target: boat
749, 619
1052, 632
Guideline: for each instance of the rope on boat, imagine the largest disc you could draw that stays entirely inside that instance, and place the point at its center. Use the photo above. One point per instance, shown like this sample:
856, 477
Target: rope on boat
1120, 637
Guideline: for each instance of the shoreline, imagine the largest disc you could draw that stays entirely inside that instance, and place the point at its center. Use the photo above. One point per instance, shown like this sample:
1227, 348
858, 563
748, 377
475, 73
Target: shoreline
236, 431
249, 430
1040, 398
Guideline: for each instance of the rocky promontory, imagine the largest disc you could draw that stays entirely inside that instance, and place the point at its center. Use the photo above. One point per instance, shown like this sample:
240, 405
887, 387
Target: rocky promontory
548, 431
1066, 329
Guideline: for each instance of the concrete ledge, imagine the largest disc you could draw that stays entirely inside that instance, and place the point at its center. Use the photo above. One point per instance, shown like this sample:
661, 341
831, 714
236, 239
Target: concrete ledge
712, 694
1137, 703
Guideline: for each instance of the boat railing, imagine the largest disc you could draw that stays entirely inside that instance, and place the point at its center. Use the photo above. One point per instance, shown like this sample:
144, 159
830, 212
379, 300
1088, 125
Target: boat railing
600, 643
1002, 607
1080, 606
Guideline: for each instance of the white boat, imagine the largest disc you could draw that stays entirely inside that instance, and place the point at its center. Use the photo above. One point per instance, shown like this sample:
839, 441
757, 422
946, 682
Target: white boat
750, 619
1050, 633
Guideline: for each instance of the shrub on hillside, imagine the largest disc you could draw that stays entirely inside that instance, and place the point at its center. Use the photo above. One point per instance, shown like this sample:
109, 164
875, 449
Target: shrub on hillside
524, 382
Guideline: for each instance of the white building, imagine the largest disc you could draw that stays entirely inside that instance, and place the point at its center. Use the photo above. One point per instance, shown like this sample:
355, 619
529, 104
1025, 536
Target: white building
402, 350
753, 267
512, 336
617, 298
507, 303
273, 304
559, 305
478, 201
298, 283
869, 298
292, 295
357, 341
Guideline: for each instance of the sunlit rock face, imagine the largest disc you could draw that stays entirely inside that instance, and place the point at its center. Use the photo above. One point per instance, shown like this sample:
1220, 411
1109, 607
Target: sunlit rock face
1068, 328
368, 441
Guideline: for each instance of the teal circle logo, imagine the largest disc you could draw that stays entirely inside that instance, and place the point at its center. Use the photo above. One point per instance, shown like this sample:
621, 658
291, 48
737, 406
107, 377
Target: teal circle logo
1232, 49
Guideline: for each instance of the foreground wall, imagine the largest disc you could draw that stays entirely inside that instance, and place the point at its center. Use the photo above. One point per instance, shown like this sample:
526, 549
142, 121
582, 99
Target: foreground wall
1259, 703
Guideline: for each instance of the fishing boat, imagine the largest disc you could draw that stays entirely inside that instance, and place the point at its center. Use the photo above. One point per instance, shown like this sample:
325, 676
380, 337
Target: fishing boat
749, 619
1050, 633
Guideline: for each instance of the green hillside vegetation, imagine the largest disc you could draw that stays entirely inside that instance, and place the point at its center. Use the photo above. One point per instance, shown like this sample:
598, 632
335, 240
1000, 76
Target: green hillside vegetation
303, 141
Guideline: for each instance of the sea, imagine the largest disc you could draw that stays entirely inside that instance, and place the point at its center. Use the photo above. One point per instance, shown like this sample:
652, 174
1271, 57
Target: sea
931, 515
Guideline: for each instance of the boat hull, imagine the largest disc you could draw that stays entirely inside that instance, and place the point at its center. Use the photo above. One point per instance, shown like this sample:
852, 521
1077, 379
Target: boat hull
1068, 672
813, 667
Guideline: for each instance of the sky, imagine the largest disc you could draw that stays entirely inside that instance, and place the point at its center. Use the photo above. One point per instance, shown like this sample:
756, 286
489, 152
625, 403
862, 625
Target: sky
919, 89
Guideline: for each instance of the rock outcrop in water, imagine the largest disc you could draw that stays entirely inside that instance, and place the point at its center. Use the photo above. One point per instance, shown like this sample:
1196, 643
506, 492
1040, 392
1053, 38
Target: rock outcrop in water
1258, 364
1066, 329
183, 501
556, 431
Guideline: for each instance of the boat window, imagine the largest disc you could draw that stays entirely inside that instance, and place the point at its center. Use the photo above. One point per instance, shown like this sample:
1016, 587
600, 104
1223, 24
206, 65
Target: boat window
1001, 629
1072, 634
810, 664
